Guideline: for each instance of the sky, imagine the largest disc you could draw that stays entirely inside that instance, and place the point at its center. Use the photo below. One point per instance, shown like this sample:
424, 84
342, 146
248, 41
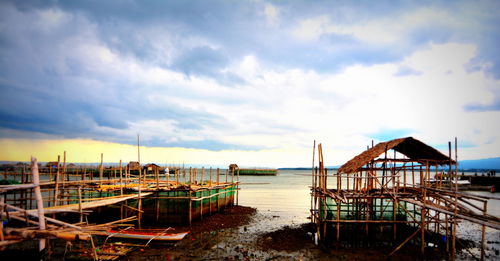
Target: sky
247, 82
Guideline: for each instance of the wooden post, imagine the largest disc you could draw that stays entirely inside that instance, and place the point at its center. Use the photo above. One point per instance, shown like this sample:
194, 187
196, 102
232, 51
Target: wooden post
190, 175
210, 180
101, 170
80, 203
56, 189
39, 200
121, 181
238, 186
157, 176
202, 175
139, 200
483, 231
218, 176
167, 173
177, 173
190, 205
64, 167
227, 174
456, 202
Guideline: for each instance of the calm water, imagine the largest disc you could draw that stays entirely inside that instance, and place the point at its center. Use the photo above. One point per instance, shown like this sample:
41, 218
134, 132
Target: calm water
287, 195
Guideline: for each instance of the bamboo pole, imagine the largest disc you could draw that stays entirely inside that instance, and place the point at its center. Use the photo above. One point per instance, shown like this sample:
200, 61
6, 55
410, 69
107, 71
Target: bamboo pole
202, 175
39, 200
139, 200
483, 232
218, 176
80, 203
210, 180
64, 167
56, 189
238, 186
121, 181
453, 235
101, 170
190, 176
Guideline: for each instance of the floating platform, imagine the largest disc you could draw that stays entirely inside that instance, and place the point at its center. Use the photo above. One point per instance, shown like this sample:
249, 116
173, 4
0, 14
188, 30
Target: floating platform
258, 172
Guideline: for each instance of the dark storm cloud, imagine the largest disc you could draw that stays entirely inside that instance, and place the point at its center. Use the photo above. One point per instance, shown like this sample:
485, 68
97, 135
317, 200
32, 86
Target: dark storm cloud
58, 73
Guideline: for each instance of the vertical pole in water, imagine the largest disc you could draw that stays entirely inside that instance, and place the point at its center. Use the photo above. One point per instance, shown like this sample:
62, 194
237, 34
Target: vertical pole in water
210, 176
64, 168
190, 205
237, 186
50, 172
80, 203
227, 173
202, 175
121, 183
167, 174
456, 199
56, 189
451, 188
157, 176
101, 170
190, 176
139, 199
39, 200
177, 172
423, 212
218, 176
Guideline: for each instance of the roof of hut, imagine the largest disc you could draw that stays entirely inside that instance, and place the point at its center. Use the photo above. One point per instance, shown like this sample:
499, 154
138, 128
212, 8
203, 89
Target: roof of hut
151, 164
410, 147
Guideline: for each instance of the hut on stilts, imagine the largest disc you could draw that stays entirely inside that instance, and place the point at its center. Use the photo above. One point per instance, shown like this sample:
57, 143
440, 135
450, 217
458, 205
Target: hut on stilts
395, 194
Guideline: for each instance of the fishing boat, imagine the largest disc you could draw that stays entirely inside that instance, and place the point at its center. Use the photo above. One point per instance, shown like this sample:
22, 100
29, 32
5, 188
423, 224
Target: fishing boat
144, 234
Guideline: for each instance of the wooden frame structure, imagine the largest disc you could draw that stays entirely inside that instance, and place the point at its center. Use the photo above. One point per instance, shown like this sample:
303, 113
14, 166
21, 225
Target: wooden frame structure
140, 193
398, 191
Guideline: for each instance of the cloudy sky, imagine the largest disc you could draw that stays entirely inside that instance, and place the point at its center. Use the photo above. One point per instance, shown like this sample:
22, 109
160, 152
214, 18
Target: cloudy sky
251, 82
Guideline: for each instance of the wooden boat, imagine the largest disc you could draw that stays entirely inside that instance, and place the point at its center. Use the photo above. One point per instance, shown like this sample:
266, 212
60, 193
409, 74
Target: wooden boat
145, 234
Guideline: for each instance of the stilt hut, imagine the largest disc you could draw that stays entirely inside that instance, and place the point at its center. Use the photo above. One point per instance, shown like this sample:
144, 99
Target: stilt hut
387, 195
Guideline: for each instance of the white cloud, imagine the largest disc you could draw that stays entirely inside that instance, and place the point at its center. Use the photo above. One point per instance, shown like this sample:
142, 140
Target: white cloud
271, 13
380, 30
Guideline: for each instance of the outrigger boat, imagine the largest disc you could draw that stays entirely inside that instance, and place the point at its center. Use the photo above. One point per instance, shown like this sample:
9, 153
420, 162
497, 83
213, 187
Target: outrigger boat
144, 234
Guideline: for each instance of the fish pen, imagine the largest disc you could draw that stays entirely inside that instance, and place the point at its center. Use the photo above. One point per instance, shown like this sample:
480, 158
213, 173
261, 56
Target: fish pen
75, 202
397, 193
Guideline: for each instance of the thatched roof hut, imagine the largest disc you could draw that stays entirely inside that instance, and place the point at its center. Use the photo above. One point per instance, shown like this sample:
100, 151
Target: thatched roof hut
412, 148
134, 165
151, 167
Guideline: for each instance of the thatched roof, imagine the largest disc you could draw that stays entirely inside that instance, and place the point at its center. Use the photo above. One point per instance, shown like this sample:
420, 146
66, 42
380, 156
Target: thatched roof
410, 147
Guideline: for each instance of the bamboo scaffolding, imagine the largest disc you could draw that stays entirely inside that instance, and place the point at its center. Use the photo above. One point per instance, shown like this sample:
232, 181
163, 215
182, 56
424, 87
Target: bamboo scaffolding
377, 191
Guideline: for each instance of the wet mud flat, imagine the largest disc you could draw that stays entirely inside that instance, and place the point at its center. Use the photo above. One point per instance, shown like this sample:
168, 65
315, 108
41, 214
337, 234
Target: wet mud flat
242, 233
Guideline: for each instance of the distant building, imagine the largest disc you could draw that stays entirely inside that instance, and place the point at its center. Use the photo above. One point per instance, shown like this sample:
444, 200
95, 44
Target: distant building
134, 165
52, 164
152, 167
71, 166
